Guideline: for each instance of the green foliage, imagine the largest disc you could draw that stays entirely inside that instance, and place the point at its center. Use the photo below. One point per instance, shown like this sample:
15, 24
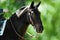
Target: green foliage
50, 16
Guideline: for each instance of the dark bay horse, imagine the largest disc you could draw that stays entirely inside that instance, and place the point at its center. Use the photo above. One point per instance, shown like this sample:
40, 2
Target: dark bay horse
18, 23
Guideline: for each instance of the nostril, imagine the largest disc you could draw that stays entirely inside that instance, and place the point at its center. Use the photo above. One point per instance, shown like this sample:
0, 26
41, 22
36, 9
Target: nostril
39, 28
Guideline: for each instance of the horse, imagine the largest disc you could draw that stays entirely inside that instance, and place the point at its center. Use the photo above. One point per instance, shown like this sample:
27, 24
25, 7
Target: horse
17, 24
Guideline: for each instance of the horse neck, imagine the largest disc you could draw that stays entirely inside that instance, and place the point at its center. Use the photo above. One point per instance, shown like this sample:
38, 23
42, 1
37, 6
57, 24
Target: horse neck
20, 24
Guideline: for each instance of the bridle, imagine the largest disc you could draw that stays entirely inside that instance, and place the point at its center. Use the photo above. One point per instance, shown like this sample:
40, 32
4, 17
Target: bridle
29, 15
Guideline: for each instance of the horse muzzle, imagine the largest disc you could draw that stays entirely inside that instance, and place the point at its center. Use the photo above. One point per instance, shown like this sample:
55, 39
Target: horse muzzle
39, 28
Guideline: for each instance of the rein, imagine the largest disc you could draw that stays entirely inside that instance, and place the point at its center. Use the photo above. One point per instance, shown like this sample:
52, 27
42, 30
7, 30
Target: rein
16, 31
27, 32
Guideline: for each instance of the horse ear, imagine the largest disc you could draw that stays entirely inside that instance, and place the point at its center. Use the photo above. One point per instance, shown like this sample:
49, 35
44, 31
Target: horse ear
38, 4
32, 4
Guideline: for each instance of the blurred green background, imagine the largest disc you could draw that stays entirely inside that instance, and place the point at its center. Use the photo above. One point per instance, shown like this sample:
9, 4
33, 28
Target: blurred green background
50, 16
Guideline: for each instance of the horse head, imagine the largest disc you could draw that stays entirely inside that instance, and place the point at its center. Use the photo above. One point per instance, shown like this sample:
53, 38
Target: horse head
34, 17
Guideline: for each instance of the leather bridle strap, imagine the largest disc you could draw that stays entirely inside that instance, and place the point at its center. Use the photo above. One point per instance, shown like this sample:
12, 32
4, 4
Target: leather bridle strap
16, 31
30, 18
